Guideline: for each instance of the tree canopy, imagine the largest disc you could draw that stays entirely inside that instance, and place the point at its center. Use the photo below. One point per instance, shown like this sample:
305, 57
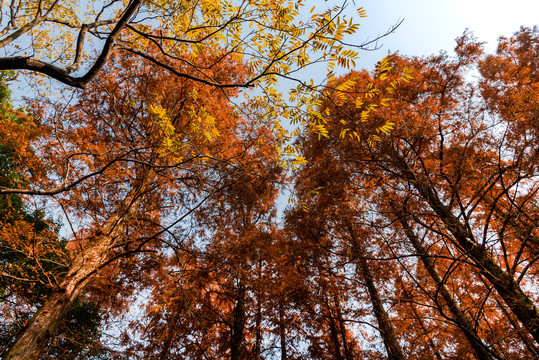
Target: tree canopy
139, 217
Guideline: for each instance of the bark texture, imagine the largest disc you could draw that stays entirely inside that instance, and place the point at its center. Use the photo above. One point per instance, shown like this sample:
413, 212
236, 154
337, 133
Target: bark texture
460, 318
31, 341
236, 339
394, 351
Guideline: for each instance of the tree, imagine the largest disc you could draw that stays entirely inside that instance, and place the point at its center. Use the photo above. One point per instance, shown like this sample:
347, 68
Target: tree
204, 292
273, 39
331, 220
444, 187
154, 154
33, 258
183, 28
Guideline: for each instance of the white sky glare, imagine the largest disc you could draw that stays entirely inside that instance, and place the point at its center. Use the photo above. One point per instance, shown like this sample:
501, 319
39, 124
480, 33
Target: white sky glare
432, 25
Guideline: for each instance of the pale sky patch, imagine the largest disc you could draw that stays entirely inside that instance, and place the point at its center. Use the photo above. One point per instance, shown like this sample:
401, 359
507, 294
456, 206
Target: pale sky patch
432, 25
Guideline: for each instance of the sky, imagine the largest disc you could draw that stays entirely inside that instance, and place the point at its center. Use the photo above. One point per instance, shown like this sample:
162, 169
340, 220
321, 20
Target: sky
432, 25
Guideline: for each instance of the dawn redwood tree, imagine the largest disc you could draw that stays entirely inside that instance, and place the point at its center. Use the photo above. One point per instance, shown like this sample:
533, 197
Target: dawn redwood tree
331, 222
412, 315
32, 256
128, 157
509, 86
459, 316
387, 332
473, 141
459, 162
207, 295
450, 161
350, 242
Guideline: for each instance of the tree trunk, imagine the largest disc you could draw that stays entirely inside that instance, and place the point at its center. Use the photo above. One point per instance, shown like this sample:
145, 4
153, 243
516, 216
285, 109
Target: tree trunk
392, 346
258, 317
236, 339
258, 329
32, 340
333, 331
508, 289
460, 318
282, 332
523, 335
342, 327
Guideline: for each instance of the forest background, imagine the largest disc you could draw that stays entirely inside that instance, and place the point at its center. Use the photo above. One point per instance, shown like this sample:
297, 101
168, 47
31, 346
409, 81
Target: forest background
212, 271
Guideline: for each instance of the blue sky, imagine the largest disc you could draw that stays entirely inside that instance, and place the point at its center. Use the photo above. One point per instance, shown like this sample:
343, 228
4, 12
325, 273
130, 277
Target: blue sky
432, 25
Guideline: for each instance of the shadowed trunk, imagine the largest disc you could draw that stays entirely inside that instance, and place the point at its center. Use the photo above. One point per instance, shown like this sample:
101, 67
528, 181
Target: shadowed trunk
508, 289
334, 333
392, 346
460, 318
342, 328
258, 329
282, 332
522, 333
236, 340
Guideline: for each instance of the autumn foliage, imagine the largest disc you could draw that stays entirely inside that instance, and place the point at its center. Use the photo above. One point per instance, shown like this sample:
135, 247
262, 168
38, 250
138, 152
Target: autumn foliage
437, 220
412, 232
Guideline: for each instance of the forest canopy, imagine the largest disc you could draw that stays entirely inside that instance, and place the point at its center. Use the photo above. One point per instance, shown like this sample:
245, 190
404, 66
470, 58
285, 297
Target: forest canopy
139, 216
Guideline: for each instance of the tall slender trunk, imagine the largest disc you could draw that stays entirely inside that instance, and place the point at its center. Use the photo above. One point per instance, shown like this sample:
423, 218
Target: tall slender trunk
333, 332
282, 332
258, 318
342, 328
258, 323
460, 318
32, 340
506, 286
523, 335
236, 339
387, 332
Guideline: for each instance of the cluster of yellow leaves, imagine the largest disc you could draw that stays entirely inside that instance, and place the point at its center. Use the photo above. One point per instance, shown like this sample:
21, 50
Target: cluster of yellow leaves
166, 131
53, 26
290, 157
379, 93
174, 144
203, 124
